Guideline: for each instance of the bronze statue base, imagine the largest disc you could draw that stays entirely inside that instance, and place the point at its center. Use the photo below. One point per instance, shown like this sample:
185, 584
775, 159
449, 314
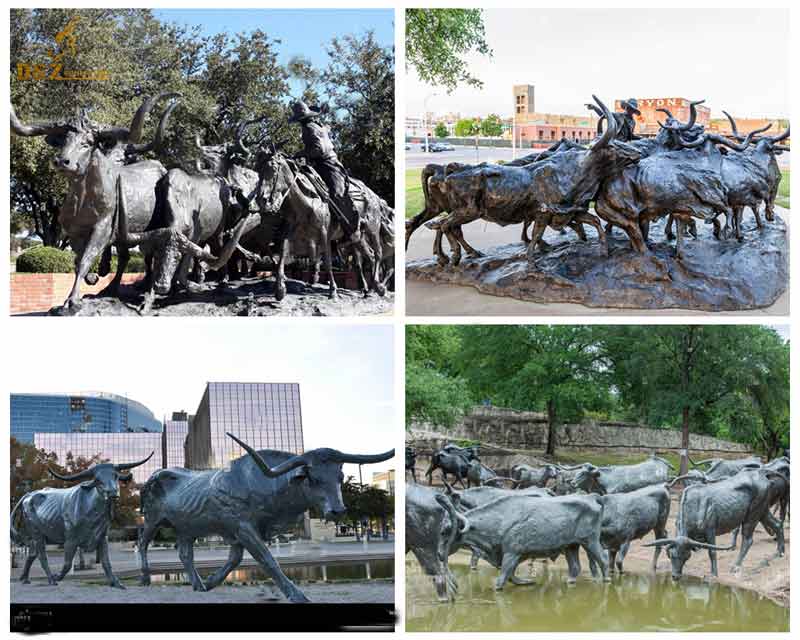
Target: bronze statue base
710, 275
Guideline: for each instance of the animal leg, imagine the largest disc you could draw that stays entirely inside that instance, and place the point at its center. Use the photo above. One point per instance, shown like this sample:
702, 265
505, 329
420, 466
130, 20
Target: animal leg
333, 292
280, 276
32, 553
234, 559
40, 551
623, 551
588, 218
668, 228
473, 561
145, 537
102, 550
69, 554
251, 540
112, 288
539, 227
524, 236
509, 565
679, 241
472, 252
774, 527
747, 542
186, 554
574, 564
595, 551
98, 241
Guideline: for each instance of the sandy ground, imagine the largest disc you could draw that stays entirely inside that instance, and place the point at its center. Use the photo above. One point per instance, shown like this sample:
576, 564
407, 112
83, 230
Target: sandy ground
373, 591
425, 299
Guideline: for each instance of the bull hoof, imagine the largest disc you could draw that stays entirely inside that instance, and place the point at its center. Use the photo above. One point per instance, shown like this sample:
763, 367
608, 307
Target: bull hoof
52, 582
298, 597
91, 279
607, 578
571, 580
117, 585
333, 295
475, 254
144, 581
380, 289
280, 293
24, 581
443, 262
69, 308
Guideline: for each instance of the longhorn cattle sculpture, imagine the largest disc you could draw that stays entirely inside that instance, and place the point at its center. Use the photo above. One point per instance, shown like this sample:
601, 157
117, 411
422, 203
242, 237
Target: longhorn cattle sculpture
92, 157
75, 517
262, 494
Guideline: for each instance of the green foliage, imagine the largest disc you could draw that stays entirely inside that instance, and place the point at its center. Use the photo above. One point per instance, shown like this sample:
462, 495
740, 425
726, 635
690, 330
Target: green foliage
492, 126
415, 198
440, 131
437, 40
467, 127
782, 200
434, 393
41, 259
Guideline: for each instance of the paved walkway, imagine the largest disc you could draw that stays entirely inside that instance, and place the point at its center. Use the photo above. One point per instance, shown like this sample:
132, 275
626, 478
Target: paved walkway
126, 563
426, 299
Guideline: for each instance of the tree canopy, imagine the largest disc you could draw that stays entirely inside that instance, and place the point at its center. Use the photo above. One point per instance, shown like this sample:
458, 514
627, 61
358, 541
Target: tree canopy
437, 41
726, 381
492, 126
222, 78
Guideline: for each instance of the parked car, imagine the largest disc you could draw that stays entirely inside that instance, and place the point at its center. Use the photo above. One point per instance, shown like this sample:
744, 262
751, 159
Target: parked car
436, 147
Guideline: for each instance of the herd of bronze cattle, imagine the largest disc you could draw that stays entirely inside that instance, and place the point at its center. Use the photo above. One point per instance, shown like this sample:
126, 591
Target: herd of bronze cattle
684, 173
546, 511
260, 205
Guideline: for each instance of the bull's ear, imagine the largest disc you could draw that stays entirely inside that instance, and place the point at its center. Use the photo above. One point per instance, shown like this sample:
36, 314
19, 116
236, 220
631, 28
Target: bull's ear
125, 477
301, 475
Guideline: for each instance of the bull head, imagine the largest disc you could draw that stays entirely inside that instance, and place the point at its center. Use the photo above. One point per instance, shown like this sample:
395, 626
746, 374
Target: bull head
320, 476
77, 138
104, 477
679, 550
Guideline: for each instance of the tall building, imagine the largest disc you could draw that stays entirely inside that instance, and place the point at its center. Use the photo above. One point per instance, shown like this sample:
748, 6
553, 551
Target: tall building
113, 447
524, 102
264, 415
384, 480
85, 412
173, 441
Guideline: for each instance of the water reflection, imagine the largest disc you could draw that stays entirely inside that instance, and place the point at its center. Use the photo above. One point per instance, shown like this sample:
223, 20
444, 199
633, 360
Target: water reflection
631, 603
378, 569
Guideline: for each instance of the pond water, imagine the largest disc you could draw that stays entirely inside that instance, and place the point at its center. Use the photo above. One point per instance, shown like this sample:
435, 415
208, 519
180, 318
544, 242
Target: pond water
632, 602
377, 568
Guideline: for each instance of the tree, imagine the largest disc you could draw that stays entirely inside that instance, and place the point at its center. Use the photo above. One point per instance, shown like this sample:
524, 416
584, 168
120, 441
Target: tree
555, 368
467, 127
434, 393
359, 84
437, 40
492, 126
441, 130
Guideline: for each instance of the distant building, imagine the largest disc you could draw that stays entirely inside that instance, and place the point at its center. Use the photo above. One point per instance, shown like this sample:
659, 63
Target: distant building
174, 441
744, 126
264, 415
384, 480
524, 101
647, 123
83, 412
113, 447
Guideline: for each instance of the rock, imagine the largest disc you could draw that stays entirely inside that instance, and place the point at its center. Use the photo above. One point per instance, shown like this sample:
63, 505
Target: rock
710, 275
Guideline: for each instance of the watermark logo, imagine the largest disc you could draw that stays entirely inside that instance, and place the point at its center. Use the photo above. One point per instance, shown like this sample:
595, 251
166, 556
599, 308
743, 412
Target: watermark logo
66, 48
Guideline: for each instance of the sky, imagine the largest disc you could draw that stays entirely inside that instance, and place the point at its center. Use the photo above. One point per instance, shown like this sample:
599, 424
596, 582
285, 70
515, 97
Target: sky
345, 372
302, 31
738, 60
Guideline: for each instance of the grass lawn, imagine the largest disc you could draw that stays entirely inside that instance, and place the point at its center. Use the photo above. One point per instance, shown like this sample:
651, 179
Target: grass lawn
600, 460
783, 190
414, 198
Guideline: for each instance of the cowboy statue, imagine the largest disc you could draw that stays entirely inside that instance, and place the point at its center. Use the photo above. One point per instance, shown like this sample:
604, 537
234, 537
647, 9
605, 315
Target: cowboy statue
319, 152
625, 120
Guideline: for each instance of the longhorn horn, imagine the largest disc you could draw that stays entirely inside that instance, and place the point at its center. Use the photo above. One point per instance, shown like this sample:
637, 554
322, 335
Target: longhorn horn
692, 116
706, 545
667, 112
779, 137
240, 133
134, 133
282, 468
706, 461
611, 130
702, 478
734, 130
458, 518
36, 129
81, 475
356, 458
157, 140
572, 468
132, 465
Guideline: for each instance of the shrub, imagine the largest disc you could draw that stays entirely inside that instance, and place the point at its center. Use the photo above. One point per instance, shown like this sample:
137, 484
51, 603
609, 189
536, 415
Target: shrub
43, 259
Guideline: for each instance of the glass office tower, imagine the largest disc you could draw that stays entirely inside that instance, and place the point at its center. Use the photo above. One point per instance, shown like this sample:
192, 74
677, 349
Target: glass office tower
174, 441
85, 412
264, 415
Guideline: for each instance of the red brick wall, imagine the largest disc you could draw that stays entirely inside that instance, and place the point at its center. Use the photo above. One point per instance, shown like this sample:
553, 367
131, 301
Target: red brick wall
38, 292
